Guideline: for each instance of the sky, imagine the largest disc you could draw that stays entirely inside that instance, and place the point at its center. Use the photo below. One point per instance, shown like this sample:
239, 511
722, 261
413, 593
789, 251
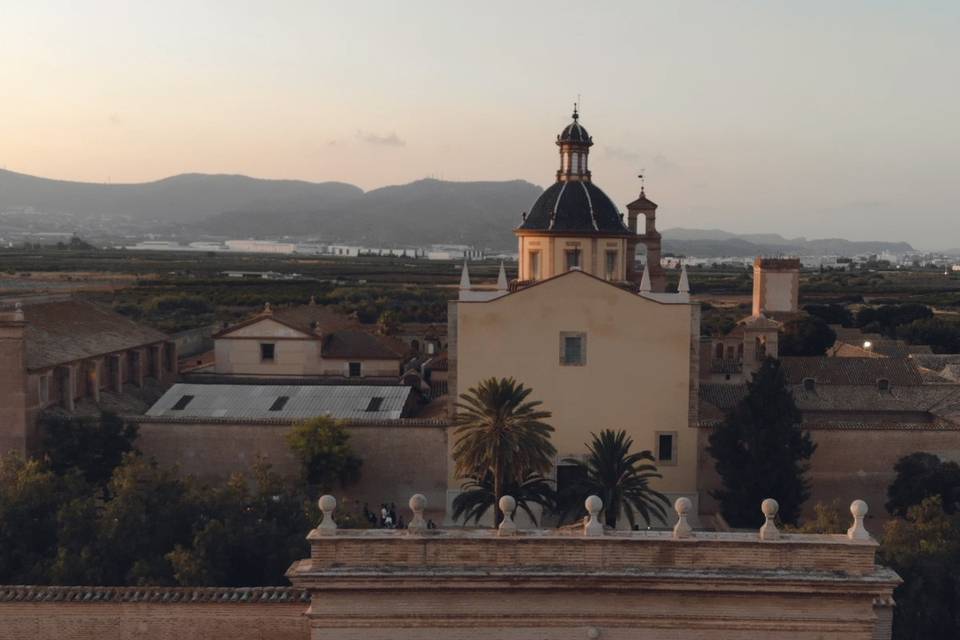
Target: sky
815, 119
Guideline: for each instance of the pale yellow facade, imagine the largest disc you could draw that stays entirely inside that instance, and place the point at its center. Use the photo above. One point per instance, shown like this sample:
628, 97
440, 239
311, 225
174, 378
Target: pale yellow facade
639, 372
543, 256
294, 354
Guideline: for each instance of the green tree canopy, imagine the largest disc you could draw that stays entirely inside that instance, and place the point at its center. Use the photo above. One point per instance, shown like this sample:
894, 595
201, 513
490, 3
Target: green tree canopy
924, 548
922, 475
477, 496
942, 335
94, 446
499, 431
761, 452
806, 336
323, 447
886, 318
620, 478
831, 313
247, 535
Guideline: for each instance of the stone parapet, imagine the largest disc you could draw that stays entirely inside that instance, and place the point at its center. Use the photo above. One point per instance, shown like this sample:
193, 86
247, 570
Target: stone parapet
587, 581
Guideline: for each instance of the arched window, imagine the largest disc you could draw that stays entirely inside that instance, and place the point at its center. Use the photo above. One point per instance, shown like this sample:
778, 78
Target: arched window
761, 348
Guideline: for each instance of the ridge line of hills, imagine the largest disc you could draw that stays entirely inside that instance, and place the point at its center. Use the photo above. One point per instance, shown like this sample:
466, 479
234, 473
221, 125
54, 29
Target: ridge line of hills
423, 212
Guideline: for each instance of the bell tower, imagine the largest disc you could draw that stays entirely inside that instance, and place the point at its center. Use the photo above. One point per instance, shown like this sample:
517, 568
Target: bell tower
650, 238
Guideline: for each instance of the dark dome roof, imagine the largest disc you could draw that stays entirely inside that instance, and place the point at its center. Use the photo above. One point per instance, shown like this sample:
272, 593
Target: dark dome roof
575, 132
576, 206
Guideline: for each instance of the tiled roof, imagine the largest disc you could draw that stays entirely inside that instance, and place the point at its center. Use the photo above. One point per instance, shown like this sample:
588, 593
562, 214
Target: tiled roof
357, 343
851, 371
159, 595
71, 330
265, 401
863, 403
310, 317
575, 206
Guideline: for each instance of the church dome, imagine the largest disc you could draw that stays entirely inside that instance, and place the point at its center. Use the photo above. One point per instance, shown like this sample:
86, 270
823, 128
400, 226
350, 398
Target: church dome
574, 206
575, 132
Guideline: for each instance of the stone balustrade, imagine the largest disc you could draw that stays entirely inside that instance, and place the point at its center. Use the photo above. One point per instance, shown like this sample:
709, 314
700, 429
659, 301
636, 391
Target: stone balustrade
755, 581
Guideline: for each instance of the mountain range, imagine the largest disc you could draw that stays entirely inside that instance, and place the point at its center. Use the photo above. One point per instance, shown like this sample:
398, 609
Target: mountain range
423, 212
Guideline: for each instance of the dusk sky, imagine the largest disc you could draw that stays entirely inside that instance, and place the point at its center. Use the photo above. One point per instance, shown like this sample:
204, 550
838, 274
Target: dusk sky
821, 119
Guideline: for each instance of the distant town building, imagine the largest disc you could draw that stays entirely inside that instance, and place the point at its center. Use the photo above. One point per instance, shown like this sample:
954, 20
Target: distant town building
308, 340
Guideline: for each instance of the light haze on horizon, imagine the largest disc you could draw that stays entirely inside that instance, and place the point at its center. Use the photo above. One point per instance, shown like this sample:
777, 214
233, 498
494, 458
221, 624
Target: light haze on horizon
820, 119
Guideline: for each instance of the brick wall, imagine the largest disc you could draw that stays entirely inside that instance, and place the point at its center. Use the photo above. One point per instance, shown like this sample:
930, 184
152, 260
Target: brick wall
74, 613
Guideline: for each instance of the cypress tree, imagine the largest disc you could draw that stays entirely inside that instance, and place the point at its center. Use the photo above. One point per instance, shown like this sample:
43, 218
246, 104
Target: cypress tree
761, 452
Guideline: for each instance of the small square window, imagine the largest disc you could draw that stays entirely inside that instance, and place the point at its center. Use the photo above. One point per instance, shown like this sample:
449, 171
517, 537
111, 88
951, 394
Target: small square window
354, 369
267, 351
573, 349
666, 447
374, 404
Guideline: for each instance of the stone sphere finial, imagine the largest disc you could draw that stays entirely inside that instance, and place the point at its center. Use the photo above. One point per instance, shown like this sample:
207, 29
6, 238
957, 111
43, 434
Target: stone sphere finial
683, 506
770, 508
417, 503
593, 526
507, 526
327, 504
858, 509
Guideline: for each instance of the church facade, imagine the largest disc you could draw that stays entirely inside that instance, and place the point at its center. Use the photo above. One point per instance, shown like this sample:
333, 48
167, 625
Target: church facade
601, 347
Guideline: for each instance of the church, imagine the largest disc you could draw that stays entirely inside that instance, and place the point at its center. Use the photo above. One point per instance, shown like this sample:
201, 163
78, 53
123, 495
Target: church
602, 346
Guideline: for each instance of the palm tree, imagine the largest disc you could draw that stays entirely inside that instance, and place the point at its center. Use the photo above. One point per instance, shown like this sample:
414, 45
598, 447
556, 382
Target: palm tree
477, 497
499, 432
620, 478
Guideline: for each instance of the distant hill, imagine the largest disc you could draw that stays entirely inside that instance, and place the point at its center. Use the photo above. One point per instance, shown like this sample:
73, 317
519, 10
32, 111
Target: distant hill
714, 243
184, 198
481, 214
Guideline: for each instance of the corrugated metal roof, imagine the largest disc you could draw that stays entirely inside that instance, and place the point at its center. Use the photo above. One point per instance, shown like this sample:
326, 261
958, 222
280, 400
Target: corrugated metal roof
255, 401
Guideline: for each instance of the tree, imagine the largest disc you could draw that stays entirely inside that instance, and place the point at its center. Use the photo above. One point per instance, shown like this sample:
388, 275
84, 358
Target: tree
806, 336
498, 431
886, 318
827, 518
831, 313
30, 496
94, 446
388, 323
942, 336
760, 452
477, 496
323, 447
924, 548
920, 476
150, 512
620, 478
247, 536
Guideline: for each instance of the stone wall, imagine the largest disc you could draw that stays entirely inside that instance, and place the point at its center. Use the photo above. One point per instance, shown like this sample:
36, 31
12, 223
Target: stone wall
159, 613
400, 458
848, 463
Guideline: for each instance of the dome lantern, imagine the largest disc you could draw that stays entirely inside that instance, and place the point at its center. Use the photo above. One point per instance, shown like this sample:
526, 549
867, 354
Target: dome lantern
574, 143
